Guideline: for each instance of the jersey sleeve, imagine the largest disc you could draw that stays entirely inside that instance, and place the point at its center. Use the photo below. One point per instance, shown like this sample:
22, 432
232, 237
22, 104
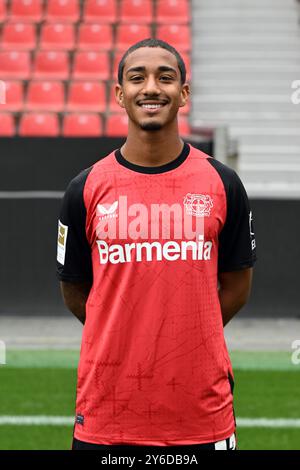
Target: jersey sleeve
74, 263
237, 244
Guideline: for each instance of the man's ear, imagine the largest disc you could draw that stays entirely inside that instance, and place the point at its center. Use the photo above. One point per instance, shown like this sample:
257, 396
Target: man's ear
119, 95
185, 92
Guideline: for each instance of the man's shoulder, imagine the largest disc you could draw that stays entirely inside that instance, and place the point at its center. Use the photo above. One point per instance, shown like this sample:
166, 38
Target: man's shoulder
79, 180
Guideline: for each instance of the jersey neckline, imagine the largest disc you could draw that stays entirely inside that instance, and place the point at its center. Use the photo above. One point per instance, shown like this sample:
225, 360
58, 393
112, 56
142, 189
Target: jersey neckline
154, 169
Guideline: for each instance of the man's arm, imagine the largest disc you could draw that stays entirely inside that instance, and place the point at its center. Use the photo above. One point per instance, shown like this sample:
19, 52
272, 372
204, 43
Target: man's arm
234, 291
75, 296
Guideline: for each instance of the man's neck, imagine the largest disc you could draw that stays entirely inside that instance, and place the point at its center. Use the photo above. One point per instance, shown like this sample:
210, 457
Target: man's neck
154, 148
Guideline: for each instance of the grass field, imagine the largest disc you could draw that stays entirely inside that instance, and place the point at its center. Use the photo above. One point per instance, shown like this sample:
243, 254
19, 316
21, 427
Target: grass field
43, 383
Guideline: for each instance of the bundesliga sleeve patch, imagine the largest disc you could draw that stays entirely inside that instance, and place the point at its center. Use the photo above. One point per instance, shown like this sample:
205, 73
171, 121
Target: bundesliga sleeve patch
61, 242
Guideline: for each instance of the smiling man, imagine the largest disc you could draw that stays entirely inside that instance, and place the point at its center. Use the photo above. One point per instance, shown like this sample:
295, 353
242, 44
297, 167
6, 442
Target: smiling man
155, 256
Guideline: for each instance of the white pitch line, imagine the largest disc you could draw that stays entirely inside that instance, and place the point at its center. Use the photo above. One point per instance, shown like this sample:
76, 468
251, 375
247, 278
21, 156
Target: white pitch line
69, 420
268, 423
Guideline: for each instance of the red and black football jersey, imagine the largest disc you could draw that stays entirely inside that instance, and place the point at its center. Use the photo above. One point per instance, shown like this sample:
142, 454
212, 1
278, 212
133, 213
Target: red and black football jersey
154, 367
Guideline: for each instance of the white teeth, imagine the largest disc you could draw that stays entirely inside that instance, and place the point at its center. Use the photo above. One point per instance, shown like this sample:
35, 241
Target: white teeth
151, 106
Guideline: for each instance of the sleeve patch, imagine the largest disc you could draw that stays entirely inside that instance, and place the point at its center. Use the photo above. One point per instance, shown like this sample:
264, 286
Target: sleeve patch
61, 242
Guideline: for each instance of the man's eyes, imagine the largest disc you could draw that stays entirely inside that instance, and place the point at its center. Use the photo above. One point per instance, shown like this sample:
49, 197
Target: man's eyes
140, 77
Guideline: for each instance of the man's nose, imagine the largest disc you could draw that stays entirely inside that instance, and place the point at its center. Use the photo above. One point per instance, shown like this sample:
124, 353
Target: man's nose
151, 86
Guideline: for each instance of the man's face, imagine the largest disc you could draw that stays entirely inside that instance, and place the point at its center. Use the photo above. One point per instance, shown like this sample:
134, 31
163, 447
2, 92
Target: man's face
151, 91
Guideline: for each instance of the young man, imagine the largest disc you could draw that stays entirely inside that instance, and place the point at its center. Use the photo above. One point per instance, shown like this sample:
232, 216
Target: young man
155, 256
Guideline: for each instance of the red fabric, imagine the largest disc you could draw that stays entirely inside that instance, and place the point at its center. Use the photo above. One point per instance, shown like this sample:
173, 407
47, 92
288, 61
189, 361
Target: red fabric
153, 365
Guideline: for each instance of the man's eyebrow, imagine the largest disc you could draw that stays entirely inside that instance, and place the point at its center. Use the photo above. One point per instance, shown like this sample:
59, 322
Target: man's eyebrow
161, 68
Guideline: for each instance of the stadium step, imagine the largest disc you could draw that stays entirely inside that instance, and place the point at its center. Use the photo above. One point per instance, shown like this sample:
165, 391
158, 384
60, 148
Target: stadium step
246, 58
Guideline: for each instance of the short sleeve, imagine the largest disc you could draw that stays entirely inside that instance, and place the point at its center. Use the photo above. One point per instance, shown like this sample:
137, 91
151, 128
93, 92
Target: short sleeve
237, 244
74, 262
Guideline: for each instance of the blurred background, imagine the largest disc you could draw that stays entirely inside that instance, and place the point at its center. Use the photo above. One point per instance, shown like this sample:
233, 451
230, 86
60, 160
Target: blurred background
58, 115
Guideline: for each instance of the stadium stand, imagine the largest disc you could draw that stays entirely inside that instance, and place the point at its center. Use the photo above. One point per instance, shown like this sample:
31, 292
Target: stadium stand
51, 65
14, 96
2, 11
91, 64
39, 125
172, 12
86, 96
136, 11
25, 10
65, 53
45, 96
7, 125
100, 11
177, 35
95, 37
62, 10
82, 125
15, 64
18, 36
57, 36
129, 34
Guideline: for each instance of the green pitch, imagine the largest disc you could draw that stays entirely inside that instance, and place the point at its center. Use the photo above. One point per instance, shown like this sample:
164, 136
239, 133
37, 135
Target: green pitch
35, 383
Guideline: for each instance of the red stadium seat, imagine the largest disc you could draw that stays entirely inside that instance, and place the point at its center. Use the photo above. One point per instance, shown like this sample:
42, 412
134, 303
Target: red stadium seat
117, 125
7, 125
51, 65
183, 125
177, 35
87, 96
14, 96
91, 65
173, 11
45, 96
100, 11
117, 57
95, 37
187, 60
129, 34
18, 36
82, 125
114, 107
15, 65
57, 36
136, 11
26, 10
39, 125
62, 10
3, 11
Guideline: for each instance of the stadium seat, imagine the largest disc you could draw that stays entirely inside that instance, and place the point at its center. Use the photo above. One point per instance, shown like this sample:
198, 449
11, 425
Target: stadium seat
177, 35
7, 125
183, 125
45, 96
187, 60
82, 125
91, 65
172, 12
136, 11
62, 11
51, 65
39, 125
116, 60
100, 11
117, 125
26, 10
86, 96
14, 96
18, 36
15, 64
3, 11
114, 107
95, 37
129, 34
57, 36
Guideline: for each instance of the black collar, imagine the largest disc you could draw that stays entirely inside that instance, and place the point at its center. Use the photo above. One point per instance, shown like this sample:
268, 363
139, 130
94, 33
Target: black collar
154, 169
